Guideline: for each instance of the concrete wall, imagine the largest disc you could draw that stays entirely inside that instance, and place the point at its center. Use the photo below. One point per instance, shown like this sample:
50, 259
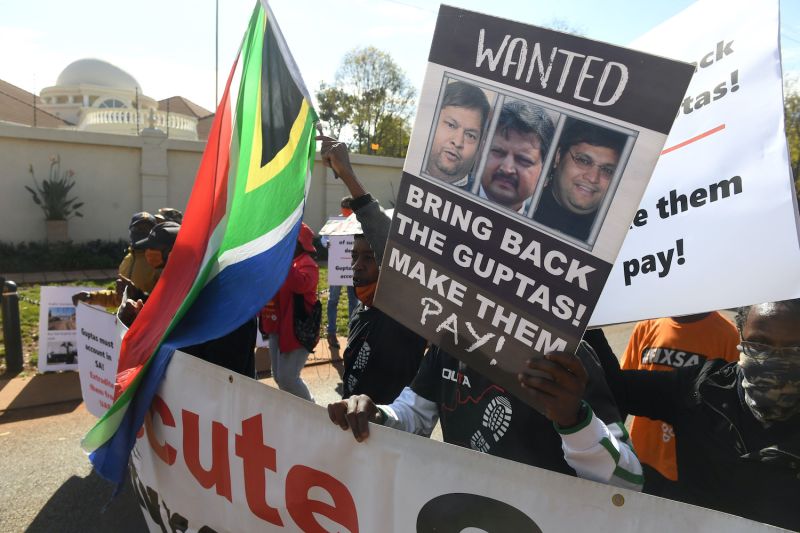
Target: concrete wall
118, 175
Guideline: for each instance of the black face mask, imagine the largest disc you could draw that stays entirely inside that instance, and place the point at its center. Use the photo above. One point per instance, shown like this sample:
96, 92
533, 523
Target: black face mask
771, 385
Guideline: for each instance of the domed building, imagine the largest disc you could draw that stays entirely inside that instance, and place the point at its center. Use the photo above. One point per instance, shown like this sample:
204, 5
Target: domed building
94, 95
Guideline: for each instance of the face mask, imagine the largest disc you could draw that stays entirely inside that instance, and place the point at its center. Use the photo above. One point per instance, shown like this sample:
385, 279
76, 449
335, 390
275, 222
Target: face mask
154, 258
367, 293
771, 385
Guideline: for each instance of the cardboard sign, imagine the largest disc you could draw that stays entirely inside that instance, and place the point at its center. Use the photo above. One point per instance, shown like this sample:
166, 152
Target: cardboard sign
529, 155
340, 269
258, 459
98, 355
58, 339
341, 226
717, 227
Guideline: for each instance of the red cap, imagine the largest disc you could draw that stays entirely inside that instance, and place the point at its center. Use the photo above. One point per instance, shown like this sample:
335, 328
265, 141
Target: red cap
306, 238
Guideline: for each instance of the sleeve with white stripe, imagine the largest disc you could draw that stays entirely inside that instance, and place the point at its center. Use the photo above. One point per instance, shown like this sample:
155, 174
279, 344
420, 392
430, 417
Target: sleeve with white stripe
602, 453
412, 413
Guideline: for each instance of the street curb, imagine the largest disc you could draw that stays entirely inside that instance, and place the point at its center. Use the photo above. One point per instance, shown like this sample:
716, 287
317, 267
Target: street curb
38, 390
23, 392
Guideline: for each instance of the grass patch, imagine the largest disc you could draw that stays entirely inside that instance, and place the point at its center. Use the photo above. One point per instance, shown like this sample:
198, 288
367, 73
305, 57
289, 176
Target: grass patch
29, 316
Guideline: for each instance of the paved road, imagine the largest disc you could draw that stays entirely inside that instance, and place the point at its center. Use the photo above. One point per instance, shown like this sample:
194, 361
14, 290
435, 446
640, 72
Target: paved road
47, 483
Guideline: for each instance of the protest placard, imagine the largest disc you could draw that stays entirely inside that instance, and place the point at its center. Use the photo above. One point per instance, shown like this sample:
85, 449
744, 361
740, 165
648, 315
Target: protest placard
234, 464
98, 355
58, 339
530, 152
717, 226
340, 225
340, 270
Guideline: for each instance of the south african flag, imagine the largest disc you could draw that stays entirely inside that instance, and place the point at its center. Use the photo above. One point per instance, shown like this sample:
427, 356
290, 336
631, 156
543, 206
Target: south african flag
238, 235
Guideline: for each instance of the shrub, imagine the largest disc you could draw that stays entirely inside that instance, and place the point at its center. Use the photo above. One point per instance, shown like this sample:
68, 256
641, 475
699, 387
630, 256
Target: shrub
54, 256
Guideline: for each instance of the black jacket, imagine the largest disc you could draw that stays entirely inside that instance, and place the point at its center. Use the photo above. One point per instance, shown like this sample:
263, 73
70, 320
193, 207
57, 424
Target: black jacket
477, 413
726, 460
382, 356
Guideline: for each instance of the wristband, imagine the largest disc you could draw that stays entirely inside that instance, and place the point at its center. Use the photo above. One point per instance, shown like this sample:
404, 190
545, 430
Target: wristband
361, 201
584, 417
381, 416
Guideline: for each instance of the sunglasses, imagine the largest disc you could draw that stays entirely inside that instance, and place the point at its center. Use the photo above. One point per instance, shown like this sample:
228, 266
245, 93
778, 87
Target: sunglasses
753, 349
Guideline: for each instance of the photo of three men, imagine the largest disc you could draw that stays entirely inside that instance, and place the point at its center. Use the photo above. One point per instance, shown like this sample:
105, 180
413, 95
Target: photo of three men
503, 149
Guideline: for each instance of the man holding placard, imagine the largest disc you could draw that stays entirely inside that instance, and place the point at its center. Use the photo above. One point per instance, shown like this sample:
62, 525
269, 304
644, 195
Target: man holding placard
382, 356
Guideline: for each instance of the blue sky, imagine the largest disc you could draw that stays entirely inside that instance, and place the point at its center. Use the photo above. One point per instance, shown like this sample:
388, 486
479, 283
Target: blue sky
168, 45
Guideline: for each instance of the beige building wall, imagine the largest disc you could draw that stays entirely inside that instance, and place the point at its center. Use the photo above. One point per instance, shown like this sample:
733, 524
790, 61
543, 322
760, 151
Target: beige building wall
118, 175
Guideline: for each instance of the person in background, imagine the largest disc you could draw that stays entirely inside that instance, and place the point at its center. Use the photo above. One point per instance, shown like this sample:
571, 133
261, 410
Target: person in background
333, 298
234, 351
288, 356
667, 344
737, 425
382, 356
134, 268
169, 214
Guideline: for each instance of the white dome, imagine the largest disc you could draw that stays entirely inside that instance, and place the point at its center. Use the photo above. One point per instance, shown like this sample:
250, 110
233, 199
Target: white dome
96, 72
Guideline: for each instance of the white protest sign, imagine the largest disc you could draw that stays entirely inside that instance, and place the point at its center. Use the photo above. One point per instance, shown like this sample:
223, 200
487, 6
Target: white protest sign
257, 459
98, 355
340, 270
341, 226
717, 226
57, 333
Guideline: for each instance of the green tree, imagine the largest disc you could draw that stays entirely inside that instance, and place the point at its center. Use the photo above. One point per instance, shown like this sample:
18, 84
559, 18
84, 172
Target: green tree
391, 137
374, 97
335, 108
791, 113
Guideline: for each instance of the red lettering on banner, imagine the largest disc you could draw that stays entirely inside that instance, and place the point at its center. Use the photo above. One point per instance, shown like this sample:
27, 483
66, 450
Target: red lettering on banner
257, 458
219, 475
164, 451
298, 482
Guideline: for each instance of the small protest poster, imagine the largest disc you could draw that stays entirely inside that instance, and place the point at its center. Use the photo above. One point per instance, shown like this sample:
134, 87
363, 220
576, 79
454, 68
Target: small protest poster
529, 155
58, 340
339, 232
341, 225
340, 270
98, 355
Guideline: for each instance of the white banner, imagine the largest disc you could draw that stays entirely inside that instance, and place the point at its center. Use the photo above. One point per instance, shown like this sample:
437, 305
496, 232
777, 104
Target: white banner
98, 355
257, 459
57, 334
717, 227
340, 270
